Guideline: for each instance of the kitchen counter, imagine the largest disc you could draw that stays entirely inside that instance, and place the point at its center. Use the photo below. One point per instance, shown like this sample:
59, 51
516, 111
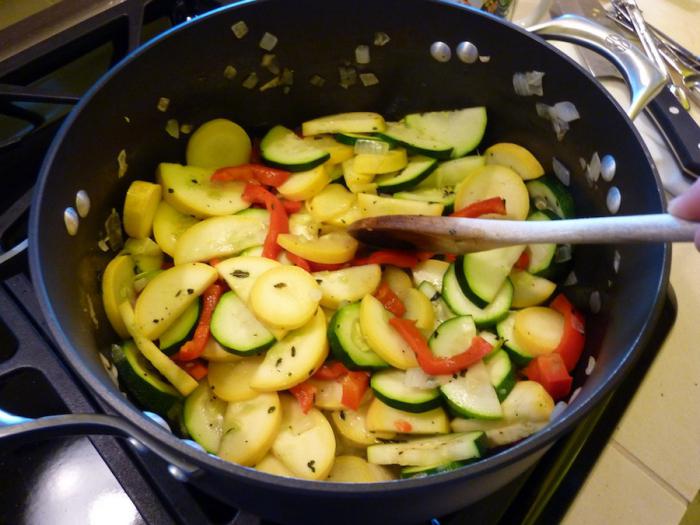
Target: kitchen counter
649, 472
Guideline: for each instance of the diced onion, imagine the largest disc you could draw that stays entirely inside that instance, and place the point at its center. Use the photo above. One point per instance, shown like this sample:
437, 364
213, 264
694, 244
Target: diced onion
251, 81
268, 41
562, 253
362, 54
348, 76
272, 83
369, 79
172, 128
417, 378
484, 59
317, 80
381, 39
561, 172
163, 104
590, 366
528, 83
574, 395
269, 62
571, 279
559, 115
594, 302
127, 119
113, 228
230, 72
121, 162
593, 168
287, 78
617, 259
376, 147
240, 29
186, 129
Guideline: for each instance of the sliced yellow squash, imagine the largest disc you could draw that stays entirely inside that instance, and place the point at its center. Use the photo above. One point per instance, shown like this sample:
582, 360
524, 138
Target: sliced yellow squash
330, 202
353, 469
231, 381
218, 143
189, 190
383, 418
377, 163
352, 425
330, 248
118, 286
169, 294
515, 157
304, 184
529, 290
168, 225
495, 181
338, 152
381, 337
347, 285
538, 329
373, 206
140, 205
240, 273
305, 443
295, 358
354, 122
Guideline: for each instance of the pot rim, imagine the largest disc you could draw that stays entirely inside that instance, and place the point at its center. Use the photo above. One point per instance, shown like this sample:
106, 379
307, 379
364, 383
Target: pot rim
128, 410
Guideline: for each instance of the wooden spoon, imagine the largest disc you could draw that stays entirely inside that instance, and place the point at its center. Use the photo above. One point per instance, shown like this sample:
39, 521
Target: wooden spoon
458, 235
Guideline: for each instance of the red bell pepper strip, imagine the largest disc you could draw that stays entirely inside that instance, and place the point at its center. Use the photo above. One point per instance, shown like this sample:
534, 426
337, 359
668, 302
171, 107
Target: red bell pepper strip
291, 206
193, 349
431, 364
279, 221
299, 261
394, 257
389, 299
479, 208
197, 368
401, 425
424, 256
214, 261
251, 173
550, 371
450, 257
305, 394
319, 267
523, 261
574, 337
331, 370
355, 385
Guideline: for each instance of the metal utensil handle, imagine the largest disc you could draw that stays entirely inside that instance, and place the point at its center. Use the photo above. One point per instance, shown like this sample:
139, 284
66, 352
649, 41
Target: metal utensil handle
643, 78
20, 429
660, 227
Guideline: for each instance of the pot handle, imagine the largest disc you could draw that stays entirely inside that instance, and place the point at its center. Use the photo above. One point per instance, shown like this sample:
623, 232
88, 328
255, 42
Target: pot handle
643, 78
19, 429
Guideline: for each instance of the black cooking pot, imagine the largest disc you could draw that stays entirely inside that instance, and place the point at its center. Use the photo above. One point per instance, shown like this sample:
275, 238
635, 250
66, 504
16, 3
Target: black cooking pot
186, 65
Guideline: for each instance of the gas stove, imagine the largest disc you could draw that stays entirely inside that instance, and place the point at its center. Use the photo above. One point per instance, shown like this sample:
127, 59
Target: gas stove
47, 61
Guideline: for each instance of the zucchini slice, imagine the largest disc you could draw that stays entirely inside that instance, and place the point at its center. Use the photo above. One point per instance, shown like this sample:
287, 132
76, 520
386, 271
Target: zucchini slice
350, 138
472, 395
418, 168
461, 305
390, 386
547, 193
453, 336
282, 148
540, 255
421, 472
347, 342
517, 353
235, 327
141, 380
501, 372
431, 451
180, 331
482, 274
462, 129
415, 141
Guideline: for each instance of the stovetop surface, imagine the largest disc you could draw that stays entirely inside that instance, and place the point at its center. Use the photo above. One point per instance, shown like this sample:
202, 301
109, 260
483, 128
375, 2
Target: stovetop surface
105, 480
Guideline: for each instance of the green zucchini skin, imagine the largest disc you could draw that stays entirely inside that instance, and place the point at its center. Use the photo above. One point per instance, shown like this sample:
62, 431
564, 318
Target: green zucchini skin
389, 387
347, 343
143, 382
281, 148
181, 330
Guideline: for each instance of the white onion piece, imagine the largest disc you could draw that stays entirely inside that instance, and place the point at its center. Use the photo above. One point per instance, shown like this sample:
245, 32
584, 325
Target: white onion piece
240, 29
593, 168
571, 279
417, 378
369, 79
251, 81
381, 39
582, 162
561, 172
317, 80
594, 302
528, 83
617, 258
562, 253
566, 111
268, 42
590, 366
484, 59
186, 129
574, 395
362, 54
558, 410
172, 128
230, 72
121, 162
375, 147
348, 76
163, 104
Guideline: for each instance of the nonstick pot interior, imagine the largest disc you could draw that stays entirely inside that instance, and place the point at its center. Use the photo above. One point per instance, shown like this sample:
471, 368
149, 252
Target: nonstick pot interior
316, 37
